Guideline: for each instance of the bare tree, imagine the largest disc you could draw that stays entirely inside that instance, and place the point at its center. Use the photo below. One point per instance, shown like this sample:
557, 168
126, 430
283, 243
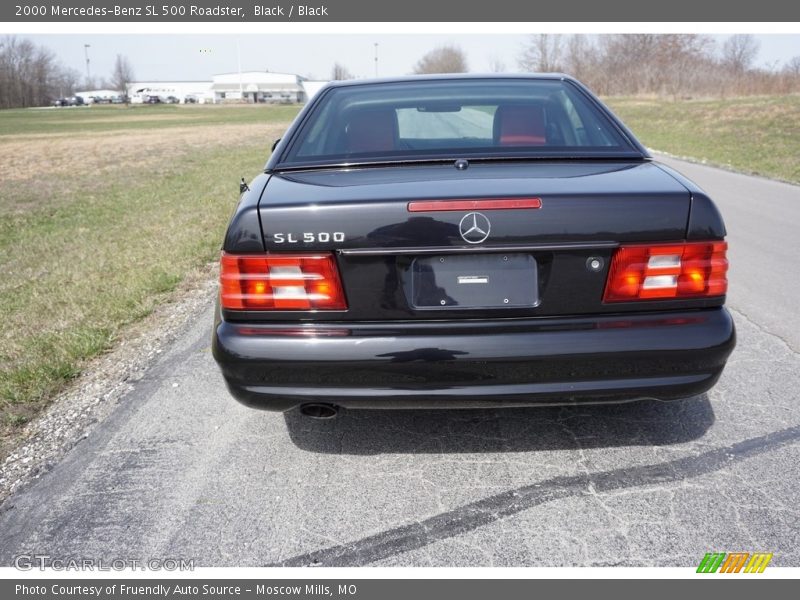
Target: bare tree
91, 83
122, 76
676, 59
496, 65
676, 65
791, 75
542, 54
739, 52
340, 72
28, 73
580, 57
66, 82
5, 73
444, 59
792, 66
651, 64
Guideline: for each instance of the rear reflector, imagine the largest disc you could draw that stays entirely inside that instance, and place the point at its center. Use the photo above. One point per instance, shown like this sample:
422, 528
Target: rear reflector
294, 332
280, 282
488, 204
659, 272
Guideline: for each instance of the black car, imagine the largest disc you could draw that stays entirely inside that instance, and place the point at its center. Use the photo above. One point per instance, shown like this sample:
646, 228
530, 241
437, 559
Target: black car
463, 241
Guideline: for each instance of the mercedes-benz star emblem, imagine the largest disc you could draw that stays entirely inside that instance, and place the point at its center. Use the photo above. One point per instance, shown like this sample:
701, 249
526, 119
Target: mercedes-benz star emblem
474, 228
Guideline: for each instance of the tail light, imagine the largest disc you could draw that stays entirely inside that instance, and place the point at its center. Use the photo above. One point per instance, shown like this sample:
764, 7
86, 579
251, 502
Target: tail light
280, 282
466, 205
659, 272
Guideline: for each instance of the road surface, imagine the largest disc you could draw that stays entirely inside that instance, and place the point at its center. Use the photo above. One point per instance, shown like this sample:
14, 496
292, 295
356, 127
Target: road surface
179, 470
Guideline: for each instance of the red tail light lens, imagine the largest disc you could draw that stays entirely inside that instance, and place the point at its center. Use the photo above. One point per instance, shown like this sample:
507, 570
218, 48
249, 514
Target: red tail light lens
280, 282
465, 205
659, 272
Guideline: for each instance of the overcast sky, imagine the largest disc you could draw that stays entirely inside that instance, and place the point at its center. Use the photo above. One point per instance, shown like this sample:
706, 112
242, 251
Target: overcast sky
185, 56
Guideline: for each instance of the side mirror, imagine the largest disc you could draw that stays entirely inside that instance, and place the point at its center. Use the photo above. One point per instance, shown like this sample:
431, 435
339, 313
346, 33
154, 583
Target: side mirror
275, 144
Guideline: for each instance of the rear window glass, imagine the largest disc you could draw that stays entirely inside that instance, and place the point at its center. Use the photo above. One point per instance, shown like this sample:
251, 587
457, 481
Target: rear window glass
454, 118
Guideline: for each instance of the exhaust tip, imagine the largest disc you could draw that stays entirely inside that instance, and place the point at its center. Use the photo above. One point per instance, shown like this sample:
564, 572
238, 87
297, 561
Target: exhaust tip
319, 411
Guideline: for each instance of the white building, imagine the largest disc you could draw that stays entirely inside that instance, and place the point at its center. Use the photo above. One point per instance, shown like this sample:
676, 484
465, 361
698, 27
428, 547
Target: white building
247, 86
258, 86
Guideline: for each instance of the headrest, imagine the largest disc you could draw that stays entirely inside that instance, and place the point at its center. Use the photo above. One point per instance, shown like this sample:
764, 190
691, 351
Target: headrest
372, 131
519, 125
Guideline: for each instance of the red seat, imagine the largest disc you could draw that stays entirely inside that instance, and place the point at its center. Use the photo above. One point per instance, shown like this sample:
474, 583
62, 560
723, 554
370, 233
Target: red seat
372, 131
519, 125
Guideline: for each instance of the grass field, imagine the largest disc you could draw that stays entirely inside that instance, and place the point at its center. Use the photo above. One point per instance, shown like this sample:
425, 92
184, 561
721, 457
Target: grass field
104, 118
759, 135
103, 211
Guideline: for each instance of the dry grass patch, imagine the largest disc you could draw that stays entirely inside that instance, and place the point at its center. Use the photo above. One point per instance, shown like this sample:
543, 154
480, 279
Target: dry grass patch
25, 157
87, 164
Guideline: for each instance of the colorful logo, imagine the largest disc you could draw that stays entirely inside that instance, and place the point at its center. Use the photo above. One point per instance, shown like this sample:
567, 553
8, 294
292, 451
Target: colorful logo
734, 562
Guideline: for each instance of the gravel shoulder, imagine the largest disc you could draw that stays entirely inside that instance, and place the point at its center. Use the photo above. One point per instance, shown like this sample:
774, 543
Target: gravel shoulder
103, 381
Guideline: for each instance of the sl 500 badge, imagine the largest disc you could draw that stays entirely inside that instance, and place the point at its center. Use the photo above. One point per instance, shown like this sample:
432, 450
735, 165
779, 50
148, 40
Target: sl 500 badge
320, 237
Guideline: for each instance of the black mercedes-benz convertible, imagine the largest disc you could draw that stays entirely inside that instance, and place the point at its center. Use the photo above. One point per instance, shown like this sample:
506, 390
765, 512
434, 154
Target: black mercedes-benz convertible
468, 241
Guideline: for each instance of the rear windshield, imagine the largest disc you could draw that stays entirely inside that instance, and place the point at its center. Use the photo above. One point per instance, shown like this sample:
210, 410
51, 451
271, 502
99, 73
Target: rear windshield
454, 118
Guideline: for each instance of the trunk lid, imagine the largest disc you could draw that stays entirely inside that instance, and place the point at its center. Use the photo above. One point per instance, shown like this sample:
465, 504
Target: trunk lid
580, 202
587, 209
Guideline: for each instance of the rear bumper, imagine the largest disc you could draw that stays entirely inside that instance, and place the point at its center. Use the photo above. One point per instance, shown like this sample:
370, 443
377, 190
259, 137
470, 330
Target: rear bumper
475, 363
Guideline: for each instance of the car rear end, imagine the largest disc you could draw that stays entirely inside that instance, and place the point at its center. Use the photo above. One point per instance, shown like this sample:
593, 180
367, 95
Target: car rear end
491, 280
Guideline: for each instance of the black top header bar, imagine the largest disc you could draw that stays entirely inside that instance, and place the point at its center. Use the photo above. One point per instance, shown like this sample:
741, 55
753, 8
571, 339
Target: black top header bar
336, 11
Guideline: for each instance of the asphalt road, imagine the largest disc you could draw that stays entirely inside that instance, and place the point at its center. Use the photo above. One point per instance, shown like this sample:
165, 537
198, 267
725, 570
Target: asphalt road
180, 470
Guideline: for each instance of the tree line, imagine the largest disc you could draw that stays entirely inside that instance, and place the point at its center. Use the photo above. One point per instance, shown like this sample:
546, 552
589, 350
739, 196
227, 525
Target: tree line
677, 65
30, 75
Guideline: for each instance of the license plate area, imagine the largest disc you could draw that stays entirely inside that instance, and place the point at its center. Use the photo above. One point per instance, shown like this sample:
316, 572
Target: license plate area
470, 281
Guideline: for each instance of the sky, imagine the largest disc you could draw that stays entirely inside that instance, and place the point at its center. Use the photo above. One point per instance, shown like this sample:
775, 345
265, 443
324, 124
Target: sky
198, 57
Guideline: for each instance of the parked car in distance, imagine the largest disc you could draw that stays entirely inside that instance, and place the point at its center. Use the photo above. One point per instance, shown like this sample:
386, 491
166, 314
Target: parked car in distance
76, 101
468, 241
152, 100
58, 102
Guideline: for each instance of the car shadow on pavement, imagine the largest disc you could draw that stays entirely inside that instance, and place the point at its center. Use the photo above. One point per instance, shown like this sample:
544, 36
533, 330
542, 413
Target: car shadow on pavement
645, 423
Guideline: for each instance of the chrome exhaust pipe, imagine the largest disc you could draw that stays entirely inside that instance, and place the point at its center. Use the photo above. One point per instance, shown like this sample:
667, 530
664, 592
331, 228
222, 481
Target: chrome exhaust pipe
319, 411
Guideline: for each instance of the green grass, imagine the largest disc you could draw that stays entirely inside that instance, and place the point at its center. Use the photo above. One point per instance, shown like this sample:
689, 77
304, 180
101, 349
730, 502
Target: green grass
82, 256
81, 271
759, 135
